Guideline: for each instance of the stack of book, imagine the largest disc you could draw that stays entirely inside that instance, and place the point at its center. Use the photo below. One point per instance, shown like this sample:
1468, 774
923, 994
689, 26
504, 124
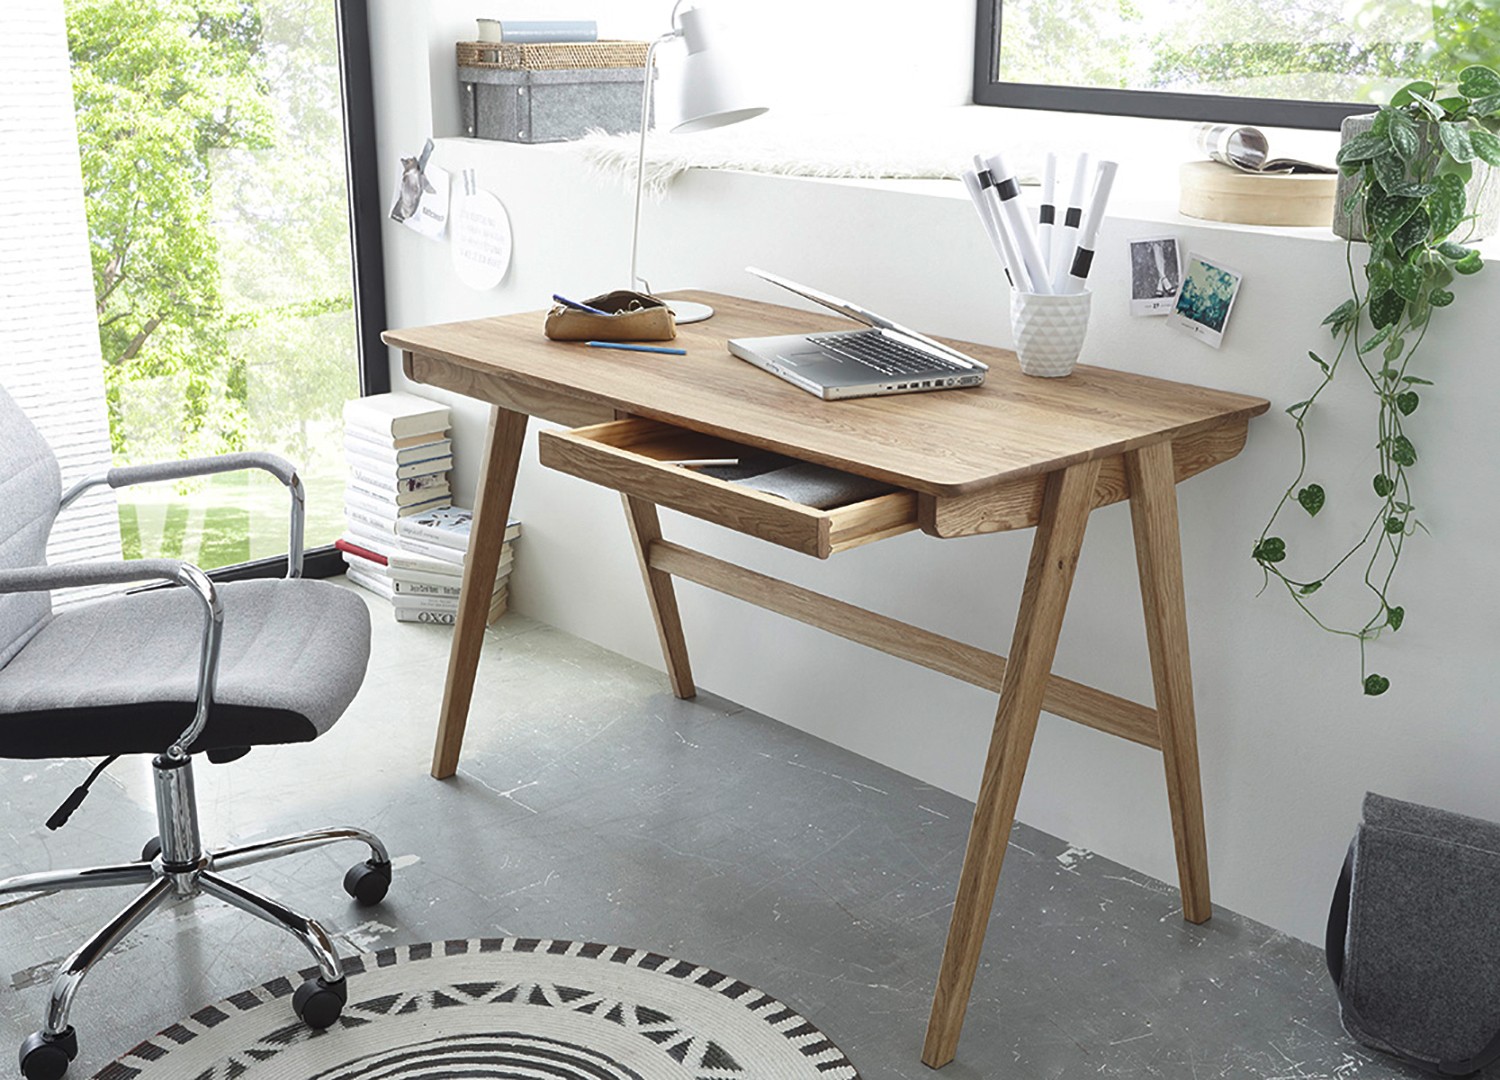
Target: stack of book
403, 540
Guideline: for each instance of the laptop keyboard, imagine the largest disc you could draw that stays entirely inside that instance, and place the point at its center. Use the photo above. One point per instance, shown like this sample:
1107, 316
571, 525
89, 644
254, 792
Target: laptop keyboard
875, 350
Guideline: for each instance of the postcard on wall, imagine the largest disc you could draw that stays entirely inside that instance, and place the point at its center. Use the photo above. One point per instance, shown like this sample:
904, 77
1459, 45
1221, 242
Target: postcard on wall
1155, 274
422, 195
1205, 299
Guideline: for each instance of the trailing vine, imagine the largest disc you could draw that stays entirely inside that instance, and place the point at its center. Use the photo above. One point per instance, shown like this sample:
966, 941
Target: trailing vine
1413, 168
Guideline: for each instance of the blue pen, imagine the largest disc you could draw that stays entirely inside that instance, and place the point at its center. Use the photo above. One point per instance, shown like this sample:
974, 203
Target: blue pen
576, 306
634, 348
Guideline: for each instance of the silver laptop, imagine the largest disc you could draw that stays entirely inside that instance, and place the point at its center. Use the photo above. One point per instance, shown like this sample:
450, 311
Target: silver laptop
883, 358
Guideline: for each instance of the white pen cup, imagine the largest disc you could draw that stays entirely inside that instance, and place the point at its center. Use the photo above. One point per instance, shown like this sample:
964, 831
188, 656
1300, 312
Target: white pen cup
1049, 330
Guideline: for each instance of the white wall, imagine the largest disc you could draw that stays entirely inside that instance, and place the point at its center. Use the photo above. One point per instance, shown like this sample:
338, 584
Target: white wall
1288, 744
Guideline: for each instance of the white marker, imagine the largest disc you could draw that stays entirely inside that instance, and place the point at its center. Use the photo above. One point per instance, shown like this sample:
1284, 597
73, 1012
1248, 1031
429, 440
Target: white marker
1015, 214
1083, 258
1048, 214
1062, 257
1020, 277
991, 226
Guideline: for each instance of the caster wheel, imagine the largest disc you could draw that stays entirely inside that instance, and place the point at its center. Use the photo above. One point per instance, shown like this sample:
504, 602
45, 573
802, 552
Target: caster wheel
151, 850
368, 882
46, 1057
318, 1003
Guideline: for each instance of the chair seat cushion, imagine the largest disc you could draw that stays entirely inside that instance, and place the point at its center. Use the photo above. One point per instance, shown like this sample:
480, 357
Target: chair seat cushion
121, 675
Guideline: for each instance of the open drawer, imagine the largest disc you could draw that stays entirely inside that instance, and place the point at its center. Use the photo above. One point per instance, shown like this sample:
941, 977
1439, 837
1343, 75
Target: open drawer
631, 456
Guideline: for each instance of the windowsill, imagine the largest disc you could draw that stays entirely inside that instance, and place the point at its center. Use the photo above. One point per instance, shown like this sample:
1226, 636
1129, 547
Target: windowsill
1150, 153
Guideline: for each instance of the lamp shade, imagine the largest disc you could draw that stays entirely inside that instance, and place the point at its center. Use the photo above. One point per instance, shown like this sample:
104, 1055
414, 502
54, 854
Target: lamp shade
712, 87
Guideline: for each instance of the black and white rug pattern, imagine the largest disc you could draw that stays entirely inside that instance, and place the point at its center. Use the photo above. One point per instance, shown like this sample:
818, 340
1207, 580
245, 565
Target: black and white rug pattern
517, 1008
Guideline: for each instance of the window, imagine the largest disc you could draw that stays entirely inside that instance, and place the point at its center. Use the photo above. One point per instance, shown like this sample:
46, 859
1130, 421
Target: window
226, 154
1292, 63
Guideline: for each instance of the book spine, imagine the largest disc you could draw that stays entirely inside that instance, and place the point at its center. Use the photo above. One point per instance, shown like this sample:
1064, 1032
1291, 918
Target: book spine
368, 554
381, 455
424, 577
383, 472
383, 589
443, 552
425, 603
405, 560
381, 524
429, 499
396, 492
458, 542
376, 506
386, 481
436, 618
404, 587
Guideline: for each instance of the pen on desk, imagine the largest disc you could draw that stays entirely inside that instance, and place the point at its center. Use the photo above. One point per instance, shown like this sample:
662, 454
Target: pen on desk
576, 306
705, 462
634, 348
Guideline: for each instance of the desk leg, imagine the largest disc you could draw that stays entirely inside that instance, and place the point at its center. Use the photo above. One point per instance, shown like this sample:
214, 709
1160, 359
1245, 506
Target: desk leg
497, 482
1049, 576
645, 529
1158, 551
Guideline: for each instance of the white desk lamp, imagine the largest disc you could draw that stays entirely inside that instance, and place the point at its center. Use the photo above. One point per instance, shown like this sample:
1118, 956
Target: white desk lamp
712, 95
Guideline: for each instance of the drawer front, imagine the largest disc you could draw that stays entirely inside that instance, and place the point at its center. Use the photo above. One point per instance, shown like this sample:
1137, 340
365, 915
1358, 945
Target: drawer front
631, 455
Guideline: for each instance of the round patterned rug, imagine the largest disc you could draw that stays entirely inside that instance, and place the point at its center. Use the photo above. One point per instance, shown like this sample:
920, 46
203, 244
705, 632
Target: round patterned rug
513, 1008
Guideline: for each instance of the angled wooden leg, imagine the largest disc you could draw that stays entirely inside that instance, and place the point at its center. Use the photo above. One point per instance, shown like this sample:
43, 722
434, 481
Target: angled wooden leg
497, 482
1158, 553
645, 529
1049, 576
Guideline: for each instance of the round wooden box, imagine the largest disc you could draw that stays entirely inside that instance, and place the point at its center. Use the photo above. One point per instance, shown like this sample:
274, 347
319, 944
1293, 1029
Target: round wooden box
1221, 193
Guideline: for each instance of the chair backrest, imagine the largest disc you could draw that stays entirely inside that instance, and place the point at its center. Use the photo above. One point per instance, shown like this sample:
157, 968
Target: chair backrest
30, 487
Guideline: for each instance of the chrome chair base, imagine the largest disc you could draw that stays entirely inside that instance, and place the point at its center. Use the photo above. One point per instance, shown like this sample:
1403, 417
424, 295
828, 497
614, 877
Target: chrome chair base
175, 865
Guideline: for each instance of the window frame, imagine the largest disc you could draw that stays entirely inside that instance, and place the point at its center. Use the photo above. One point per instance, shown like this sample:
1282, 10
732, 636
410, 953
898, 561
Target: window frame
1155, 104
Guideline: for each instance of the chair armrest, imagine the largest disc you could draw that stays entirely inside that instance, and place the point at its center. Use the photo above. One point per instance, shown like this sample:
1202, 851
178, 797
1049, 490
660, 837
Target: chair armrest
69, 575
279, 467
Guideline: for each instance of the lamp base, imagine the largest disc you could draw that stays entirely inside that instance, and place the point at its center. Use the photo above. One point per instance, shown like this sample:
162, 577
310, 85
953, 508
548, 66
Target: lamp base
688, 311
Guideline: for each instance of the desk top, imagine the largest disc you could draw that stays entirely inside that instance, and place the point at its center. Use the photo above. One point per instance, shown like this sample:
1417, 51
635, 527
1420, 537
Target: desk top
947, 442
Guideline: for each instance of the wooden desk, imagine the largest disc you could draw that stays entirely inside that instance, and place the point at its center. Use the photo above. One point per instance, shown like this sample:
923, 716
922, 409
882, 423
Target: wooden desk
1016, 453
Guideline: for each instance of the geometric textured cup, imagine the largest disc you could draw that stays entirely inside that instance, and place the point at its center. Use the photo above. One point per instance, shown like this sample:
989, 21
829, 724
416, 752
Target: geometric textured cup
1049, 331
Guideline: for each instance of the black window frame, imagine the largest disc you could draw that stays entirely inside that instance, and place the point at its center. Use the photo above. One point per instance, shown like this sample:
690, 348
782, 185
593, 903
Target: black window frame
1155, 104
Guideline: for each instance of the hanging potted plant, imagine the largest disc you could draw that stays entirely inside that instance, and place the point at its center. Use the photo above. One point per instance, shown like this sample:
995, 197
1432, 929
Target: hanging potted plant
1408, 179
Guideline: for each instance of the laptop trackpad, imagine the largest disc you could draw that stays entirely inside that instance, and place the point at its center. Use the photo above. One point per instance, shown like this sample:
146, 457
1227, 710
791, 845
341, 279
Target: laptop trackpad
807, 357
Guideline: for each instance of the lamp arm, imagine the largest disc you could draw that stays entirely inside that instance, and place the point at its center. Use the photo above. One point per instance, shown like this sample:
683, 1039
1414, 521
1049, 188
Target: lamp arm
640, 161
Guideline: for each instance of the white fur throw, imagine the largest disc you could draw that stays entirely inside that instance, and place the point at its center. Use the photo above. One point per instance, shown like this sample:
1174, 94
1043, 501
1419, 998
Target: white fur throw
926, 145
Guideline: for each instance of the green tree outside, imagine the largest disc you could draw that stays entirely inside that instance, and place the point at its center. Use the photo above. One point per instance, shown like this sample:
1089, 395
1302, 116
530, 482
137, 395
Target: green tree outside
211, 142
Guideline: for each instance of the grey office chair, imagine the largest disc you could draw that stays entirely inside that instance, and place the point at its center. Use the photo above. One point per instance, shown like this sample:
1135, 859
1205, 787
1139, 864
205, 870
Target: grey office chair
210, 668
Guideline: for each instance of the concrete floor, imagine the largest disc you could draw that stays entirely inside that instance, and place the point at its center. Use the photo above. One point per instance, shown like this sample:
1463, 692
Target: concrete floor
593, 805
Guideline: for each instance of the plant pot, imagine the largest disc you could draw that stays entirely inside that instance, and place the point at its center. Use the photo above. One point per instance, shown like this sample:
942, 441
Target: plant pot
1483, 194
1049, 331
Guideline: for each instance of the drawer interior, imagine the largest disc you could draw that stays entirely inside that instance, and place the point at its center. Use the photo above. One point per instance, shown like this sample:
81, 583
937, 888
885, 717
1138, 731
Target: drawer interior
635, 455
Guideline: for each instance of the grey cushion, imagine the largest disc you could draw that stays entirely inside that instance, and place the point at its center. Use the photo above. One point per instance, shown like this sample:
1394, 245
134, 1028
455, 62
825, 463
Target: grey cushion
120, 675
30, 488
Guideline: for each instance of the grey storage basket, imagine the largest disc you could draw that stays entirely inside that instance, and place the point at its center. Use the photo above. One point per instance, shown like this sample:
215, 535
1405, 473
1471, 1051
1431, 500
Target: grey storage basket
1414, 936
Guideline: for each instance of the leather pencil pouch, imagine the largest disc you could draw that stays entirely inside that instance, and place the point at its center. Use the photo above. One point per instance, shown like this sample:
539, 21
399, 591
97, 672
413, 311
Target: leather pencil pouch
632, 316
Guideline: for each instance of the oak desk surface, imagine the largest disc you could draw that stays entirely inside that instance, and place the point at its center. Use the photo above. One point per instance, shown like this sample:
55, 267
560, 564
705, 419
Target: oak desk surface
941, 443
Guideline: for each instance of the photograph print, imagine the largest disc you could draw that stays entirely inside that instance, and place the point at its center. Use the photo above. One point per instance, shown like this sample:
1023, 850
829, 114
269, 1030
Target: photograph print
1205, 299
1155, 273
